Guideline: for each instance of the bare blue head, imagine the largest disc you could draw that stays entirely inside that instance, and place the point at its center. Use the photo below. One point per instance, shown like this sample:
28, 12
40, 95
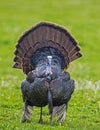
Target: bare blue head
47, 55
49, 60
48, 65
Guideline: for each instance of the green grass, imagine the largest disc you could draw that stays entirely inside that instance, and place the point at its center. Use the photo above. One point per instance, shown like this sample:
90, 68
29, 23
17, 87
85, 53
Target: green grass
81, 18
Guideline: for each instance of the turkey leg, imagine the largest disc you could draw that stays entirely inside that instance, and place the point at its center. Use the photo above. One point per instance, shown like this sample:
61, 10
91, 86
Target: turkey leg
41, 120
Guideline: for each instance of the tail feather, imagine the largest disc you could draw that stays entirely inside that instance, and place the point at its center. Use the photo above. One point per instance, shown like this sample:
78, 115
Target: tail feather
17, 65
74, 51
74, 57
46, 34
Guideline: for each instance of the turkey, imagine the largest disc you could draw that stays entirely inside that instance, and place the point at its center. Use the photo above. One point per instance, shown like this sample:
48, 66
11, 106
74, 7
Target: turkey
44, 53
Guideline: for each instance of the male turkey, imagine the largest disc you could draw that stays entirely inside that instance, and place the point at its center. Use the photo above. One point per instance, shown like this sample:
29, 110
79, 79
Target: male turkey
44, 53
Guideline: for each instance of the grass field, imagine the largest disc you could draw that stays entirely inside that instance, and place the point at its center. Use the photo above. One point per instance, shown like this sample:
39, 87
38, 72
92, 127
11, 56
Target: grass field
82, 19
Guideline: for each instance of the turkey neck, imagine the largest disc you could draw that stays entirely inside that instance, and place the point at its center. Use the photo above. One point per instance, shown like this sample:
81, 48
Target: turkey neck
40, 57
39, 61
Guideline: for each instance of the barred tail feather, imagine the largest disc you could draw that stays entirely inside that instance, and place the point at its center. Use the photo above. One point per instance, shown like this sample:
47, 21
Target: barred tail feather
45, 34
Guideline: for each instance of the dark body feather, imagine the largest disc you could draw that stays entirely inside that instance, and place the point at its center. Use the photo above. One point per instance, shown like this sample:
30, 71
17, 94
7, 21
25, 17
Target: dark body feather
36, 86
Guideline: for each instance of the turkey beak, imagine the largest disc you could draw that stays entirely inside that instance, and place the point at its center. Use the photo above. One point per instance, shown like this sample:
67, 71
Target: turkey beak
48, 66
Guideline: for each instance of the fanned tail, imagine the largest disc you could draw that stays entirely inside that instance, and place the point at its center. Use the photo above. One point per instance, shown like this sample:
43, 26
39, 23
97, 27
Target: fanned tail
45, 34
